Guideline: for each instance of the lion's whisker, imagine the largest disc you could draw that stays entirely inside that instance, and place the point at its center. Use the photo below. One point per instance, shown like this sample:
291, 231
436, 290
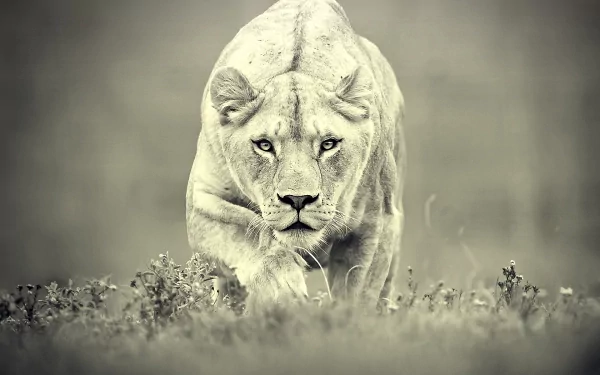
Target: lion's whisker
255, 227
322, 272
250, 229
319, 245
340, 227
348, 274
345, 216
252, 206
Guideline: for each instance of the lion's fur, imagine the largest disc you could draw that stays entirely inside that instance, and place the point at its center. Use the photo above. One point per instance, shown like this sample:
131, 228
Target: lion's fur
294, 74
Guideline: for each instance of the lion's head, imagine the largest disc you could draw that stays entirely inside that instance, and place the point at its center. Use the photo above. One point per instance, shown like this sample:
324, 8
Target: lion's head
297, 147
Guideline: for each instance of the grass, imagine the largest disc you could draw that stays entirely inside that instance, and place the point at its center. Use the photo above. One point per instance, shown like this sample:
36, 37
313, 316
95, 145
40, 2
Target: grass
166, 321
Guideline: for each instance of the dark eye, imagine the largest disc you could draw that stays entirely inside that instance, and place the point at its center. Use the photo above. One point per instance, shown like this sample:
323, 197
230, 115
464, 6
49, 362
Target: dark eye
264, 145
329, 144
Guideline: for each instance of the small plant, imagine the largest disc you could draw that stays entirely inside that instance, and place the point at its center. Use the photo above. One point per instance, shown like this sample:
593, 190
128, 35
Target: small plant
511, 287
320, 298
409, 301
19, 310
167, 290
234, 296
433, 294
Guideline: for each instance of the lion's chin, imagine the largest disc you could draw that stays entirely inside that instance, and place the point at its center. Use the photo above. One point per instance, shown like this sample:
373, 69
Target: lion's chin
306, 239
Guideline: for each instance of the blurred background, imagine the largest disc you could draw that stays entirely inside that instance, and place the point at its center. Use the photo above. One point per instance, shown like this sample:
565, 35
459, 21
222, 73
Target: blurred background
100, 104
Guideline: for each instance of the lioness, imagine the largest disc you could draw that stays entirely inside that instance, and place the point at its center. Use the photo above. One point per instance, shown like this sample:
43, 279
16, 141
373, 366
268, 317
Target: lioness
301, 151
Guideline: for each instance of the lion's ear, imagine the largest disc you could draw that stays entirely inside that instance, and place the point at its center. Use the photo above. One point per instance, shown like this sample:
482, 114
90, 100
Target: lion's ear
233, 96
353, 95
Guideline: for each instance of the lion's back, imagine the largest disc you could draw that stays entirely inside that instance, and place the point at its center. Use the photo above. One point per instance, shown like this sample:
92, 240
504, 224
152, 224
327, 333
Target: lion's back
384, 75
391, 108
314, 37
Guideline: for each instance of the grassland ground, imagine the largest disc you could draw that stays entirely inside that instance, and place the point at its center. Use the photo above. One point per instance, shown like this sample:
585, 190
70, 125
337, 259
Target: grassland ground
167, 322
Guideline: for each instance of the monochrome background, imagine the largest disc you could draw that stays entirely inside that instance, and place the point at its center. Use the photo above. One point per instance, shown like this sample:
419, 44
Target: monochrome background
100, 106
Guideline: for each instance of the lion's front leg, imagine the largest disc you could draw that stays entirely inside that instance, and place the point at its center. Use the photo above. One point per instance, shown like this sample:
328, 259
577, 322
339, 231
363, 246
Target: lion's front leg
362, 265
268, 272
350, 262
382, 273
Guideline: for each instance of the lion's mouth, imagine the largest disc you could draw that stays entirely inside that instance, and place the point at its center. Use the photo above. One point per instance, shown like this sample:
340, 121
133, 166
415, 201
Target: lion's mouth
298, 225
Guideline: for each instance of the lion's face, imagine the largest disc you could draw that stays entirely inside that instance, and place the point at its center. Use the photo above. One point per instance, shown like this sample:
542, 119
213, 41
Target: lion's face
297, 153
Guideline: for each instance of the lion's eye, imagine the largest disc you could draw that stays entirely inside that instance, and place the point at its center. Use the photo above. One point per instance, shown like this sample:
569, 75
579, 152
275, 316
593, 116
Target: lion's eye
264, 145
329, 144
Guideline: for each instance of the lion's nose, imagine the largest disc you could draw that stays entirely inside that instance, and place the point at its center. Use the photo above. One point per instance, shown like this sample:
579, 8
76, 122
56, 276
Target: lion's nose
298, 201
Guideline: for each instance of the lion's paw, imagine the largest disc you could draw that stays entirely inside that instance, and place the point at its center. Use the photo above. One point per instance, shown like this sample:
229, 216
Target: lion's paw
280, 280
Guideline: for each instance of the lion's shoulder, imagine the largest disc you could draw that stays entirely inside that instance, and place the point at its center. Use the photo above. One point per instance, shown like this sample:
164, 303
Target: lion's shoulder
391, 153
392, 97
